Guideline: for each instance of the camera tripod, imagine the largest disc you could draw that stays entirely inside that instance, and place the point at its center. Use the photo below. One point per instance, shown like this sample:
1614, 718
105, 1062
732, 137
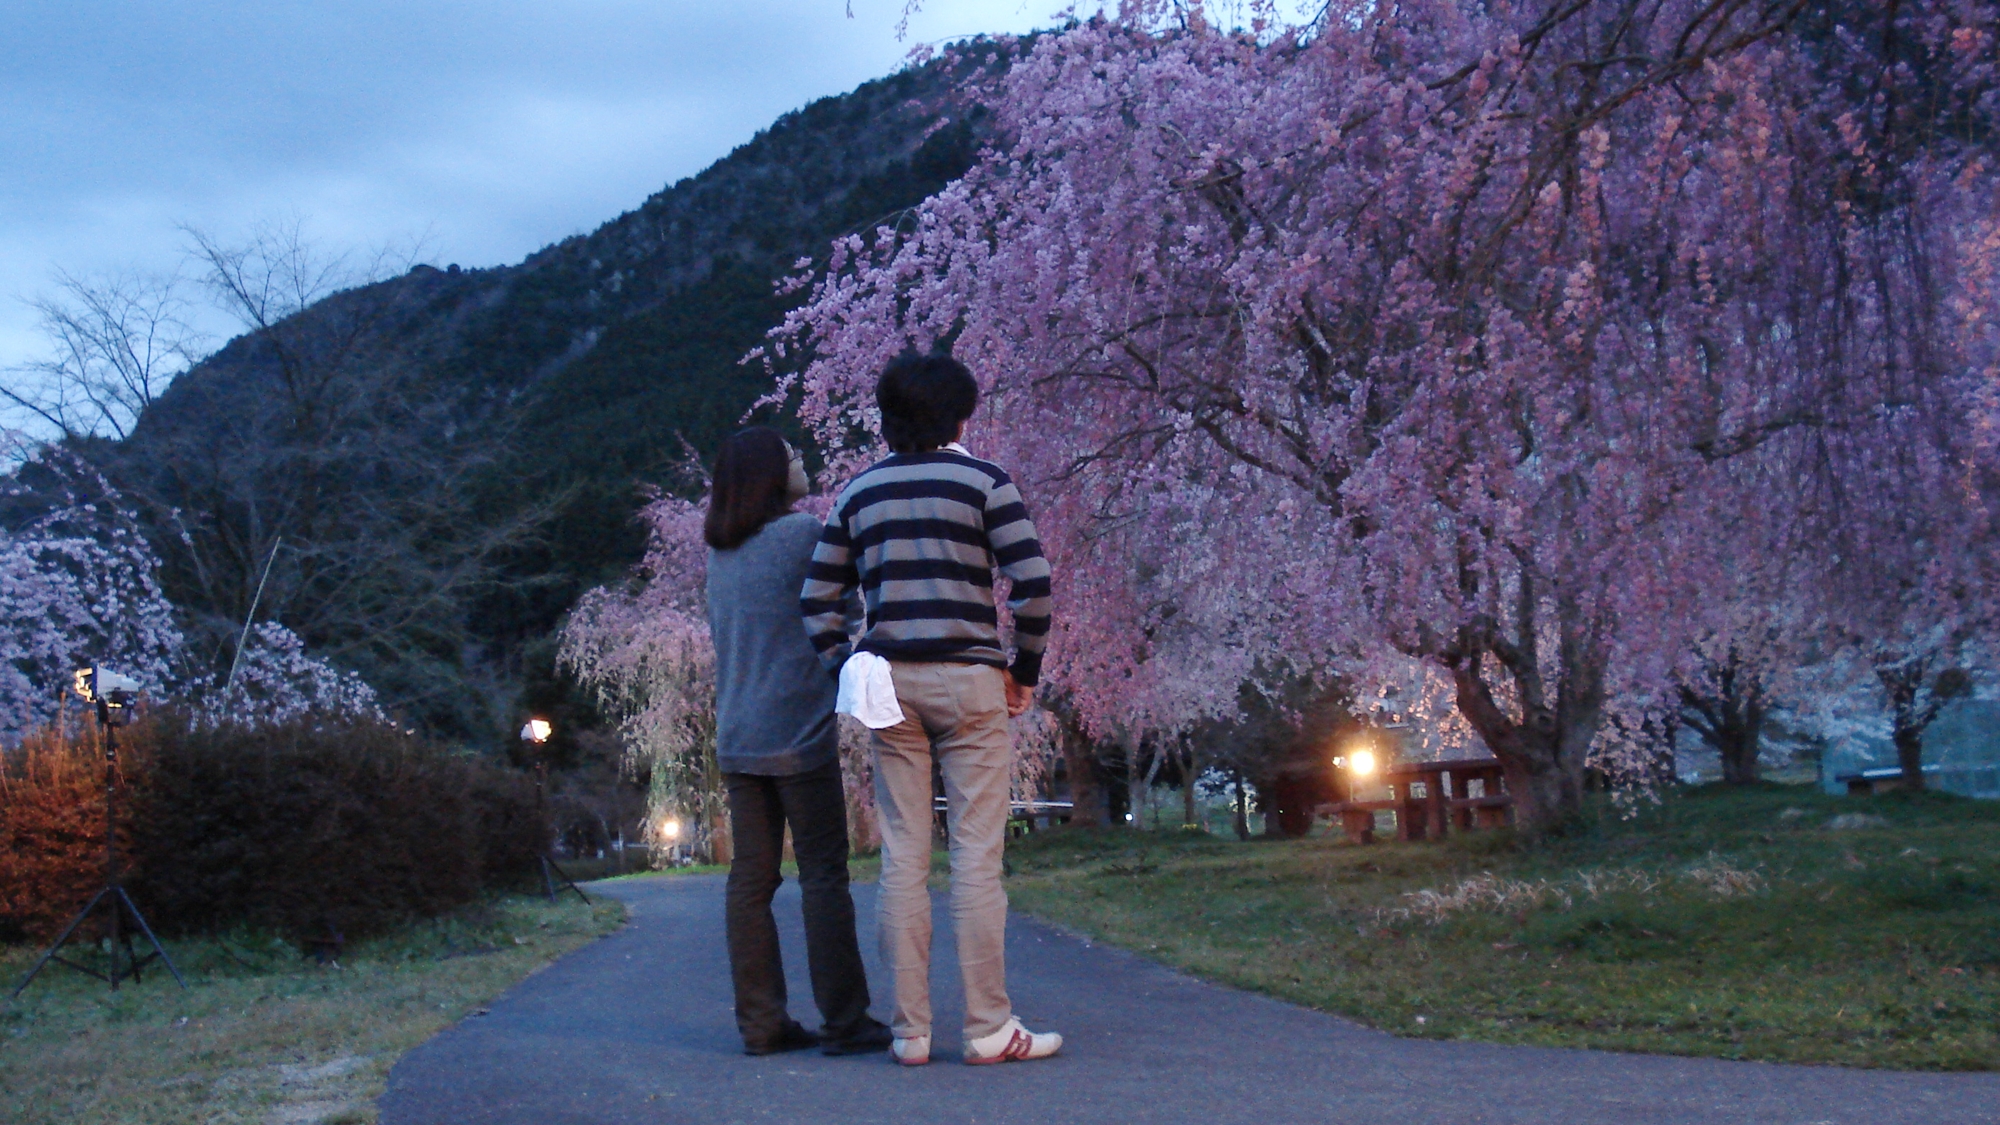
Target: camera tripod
112, 894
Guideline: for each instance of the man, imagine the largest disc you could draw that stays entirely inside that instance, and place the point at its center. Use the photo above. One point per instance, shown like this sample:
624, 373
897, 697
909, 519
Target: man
920, 533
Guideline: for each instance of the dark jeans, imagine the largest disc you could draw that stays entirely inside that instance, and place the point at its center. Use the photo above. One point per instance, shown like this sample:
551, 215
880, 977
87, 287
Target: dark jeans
815, 807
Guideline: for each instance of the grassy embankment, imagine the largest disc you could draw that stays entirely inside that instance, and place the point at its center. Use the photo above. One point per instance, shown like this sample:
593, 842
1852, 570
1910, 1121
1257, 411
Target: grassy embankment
1731, 924
264, 1035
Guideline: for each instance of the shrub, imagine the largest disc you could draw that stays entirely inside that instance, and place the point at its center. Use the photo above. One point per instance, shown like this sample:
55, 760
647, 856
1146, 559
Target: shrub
316, 825
51, 832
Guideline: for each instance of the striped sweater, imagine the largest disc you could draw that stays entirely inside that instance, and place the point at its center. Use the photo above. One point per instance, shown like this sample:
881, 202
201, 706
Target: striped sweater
921, 534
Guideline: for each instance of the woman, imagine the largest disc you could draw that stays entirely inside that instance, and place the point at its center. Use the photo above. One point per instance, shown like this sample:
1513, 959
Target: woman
776, 744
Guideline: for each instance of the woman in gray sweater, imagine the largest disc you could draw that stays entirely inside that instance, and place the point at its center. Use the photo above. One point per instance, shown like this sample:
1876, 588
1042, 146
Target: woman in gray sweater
776, 744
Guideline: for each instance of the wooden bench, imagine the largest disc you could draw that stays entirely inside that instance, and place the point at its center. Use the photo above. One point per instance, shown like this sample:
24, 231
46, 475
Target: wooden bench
1022, 816
1431, 798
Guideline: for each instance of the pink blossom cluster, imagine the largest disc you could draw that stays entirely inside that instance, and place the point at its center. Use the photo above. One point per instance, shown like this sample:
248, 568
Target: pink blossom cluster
78, 587
643, 650
1531, 350
277, 680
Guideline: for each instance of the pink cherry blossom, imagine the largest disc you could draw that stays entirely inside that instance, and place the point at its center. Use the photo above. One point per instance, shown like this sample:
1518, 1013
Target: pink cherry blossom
1530, 351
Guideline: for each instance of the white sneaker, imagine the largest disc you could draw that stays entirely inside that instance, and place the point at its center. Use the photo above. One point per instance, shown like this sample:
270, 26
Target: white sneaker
914, 1051
1012, 1043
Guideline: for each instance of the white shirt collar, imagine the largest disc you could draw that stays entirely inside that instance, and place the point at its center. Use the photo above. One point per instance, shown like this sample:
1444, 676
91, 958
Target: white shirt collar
954, 447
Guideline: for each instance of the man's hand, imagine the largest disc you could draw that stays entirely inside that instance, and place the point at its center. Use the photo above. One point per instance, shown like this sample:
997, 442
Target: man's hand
1019, 698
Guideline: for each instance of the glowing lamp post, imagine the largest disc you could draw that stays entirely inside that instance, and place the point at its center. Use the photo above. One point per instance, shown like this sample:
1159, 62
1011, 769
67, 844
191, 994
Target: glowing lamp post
667, 836
536, 734
1359, 766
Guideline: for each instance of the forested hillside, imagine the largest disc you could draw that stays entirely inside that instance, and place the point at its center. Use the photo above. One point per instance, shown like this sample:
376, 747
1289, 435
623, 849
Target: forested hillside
433, 467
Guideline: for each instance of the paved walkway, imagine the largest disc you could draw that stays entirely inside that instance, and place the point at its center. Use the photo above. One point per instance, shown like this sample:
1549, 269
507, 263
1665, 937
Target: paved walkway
637, 1029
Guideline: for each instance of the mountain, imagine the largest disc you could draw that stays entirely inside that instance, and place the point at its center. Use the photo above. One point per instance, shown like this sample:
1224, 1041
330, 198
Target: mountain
421, 475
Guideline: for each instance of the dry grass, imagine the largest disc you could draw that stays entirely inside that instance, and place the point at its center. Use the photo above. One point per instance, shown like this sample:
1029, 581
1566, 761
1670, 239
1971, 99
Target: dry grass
264, 1036
1714, 878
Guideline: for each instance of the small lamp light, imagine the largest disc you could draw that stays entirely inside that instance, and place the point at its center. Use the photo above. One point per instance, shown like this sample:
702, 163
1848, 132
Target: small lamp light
1362, 763
537, 730
671, 829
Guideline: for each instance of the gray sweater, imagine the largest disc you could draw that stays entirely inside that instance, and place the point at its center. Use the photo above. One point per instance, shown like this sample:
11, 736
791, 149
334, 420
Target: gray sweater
773, 700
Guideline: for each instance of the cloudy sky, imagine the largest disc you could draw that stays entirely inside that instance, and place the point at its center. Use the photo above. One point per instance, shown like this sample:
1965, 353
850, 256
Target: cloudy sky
485, 129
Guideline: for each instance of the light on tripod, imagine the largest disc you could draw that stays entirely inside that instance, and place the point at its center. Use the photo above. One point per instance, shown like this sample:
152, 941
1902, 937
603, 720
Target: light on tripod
113, 693
114, 697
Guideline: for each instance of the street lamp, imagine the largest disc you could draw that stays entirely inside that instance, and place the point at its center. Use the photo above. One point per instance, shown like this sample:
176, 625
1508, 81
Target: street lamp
1358, 767
536, 734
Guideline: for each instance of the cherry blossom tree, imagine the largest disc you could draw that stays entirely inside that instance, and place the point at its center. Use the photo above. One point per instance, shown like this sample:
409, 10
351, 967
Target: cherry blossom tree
78, 587
643, 651
1439, 332
277, 681
1912, 622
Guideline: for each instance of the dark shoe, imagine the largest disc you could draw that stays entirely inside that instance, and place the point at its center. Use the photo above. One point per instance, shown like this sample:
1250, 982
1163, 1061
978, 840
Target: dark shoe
872, 1035
791, 1037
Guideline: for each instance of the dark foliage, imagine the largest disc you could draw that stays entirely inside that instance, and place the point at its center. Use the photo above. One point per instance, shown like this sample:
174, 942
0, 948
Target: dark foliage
316, 826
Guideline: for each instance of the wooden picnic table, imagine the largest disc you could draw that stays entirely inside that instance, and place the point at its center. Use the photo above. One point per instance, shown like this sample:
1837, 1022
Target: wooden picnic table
1431, 798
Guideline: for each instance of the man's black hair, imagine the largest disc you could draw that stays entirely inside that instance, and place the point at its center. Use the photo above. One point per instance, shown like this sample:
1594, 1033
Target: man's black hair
923, 399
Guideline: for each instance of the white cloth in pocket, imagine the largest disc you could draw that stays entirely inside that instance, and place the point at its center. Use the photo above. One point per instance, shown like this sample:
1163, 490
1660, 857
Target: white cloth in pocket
868, 692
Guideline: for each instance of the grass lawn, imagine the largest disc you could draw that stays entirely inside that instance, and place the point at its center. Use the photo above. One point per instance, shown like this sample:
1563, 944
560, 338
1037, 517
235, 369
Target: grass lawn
1731, 924
263, 1035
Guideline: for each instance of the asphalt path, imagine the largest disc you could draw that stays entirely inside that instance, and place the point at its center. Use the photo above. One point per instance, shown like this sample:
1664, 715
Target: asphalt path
636, 1028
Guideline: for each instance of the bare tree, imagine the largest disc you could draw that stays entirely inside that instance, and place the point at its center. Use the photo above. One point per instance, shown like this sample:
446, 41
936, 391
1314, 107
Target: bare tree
317, 445
115, 343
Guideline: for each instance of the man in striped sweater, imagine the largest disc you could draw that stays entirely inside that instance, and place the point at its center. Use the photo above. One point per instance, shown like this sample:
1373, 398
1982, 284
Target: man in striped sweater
920, 534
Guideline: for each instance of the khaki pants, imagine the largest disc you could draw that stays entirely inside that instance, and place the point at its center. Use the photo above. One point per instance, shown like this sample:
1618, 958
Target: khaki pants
958, 712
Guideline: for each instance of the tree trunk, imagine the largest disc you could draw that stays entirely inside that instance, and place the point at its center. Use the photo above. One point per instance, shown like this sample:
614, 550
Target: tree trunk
1730, 717
1191, 766
1665, 768
1242, 810
1909, 741
719, 851
1134, 782
1541, 756
1152, 776
1085, 797
1738, 746
1901, 682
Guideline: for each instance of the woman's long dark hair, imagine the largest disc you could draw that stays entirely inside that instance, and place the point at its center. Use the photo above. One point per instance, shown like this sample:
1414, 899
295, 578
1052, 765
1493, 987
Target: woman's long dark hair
750, 489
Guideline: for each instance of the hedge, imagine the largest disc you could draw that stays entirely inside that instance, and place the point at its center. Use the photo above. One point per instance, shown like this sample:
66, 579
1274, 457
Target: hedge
313, 827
